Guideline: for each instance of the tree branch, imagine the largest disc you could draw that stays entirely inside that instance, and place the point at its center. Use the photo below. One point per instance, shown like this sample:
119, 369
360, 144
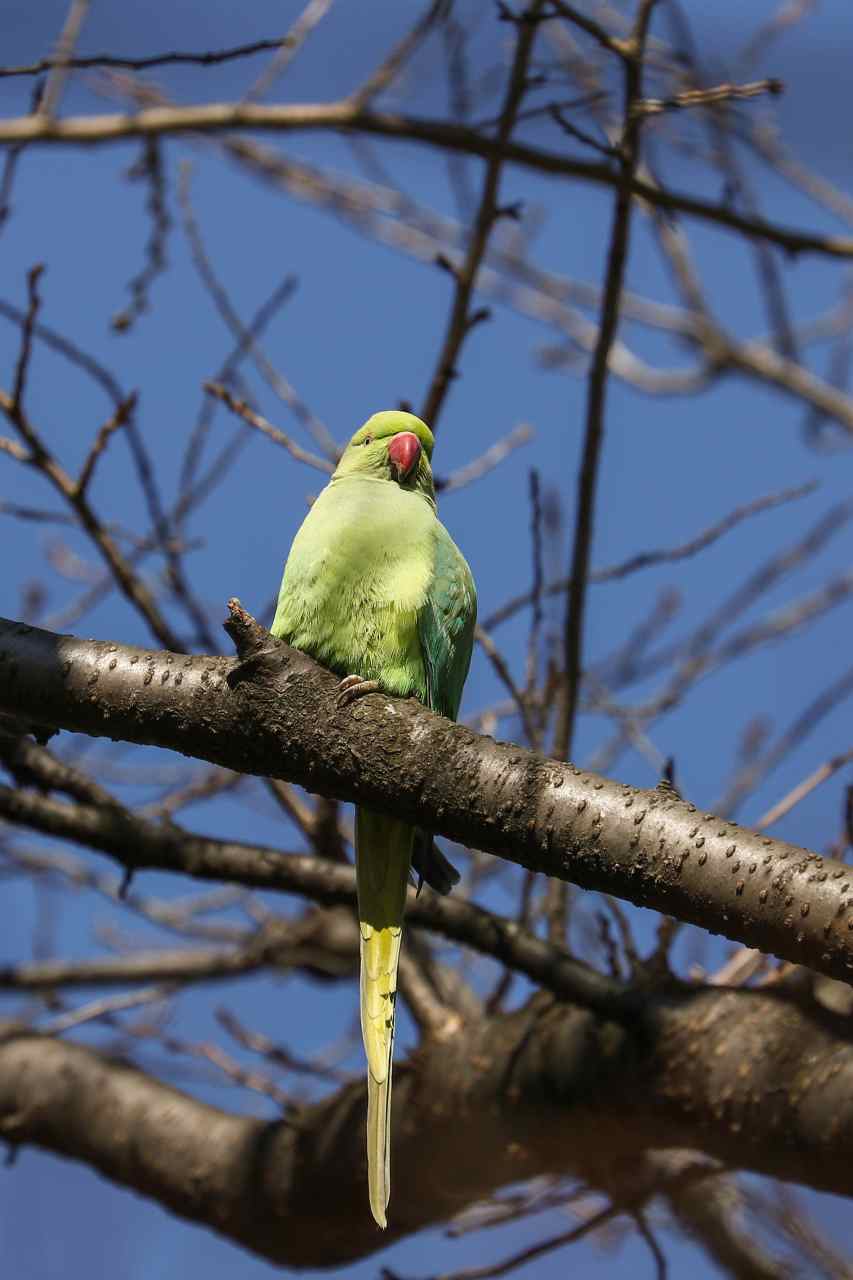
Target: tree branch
547, 1090
274, 713
343, 117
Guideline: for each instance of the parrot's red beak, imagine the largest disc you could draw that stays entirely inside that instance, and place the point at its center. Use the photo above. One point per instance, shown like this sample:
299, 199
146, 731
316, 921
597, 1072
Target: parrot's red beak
403, 454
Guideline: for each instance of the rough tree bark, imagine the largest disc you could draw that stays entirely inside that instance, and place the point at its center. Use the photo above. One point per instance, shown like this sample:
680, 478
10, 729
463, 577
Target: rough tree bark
748, 1080
273, 712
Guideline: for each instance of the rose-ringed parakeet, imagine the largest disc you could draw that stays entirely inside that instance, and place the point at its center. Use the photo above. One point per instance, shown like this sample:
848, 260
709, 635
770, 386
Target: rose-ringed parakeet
376, 589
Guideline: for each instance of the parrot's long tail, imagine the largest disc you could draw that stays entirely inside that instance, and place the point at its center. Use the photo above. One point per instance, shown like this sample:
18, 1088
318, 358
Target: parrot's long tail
383, 856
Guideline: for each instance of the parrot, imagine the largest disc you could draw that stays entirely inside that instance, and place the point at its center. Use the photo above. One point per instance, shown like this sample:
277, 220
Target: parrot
375, 589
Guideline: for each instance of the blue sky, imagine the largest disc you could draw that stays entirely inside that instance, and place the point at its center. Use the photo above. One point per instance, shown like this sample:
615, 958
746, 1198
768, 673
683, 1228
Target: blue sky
359, 335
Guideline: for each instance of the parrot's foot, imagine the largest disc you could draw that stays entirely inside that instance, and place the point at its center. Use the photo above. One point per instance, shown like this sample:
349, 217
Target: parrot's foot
353, 687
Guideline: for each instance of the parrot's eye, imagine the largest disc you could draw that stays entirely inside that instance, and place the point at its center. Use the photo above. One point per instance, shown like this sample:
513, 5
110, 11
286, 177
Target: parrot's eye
367, 440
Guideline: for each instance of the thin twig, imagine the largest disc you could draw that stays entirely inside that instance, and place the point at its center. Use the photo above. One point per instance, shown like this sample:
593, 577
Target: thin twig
537, 579
25, 352
289, 46
537, 1250
389, 69
491, 458
150, 168
802, 789
505, 676
62, 59
597, 387
707, 97
104, 1006
273, 1051
247, 338
242, 410
228, 374
648, 559
461, 320
99, 444
39, 458
206, 59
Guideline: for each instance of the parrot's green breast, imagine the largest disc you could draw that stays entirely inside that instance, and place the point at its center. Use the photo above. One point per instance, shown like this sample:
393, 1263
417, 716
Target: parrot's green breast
356, 579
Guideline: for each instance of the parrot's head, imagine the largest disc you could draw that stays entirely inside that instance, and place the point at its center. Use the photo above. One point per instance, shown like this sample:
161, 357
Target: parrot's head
394, 446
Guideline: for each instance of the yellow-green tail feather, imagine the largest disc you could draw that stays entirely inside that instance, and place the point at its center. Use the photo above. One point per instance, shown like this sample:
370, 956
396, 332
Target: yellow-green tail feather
383, 857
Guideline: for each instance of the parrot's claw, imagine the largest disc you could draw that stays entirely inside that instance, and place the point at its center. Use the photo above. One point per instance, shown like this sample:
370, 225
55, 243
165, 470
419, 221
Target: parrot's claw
353, 687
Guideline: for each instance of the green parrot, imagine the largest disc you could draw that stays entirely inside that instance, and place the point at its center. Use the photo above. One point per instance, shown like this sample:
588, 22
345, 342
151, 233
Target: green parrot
376, 589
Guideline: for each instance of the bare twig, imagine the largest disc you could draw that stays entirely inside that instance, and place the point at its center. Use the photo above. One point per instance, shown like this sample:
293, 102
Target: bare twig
40, 459
10, 164
151, 169
61, 61
99, 444
505, 676
242, 410
391, 66
826, 702
802, 789
208, 58
524, 1256
491, 458
273, 1051
246, 339
707, 97
597, 387
461, 320
309, 18
104, 1007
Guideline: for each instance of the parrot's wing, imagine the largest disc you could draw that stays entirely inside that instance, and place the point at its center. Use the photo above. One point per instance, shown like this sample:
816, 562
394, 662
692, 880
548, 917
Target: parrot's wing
446, 626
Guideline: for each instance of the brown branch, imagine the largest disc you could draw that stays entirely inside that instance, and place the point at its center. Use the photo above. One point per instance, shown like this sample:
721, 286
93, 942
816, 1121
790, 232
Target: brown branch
161, 966
25, 352
68, 38
587, 481
217, 117
274, 713
40, 459
389, 69
802, 789
207, 59
504, 674
592, 28
99, 444
490, 1271
487, 461
150, 168
461, 320
522, 286
707, 97
252, 419
138, 844
247, 338
830, 698
549, 1091
227, 375
311, 15
273, 1052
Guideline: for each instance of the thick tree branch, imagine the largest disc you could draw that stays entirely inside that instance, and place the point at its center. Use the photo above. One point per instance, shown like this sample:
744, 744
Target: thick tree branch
343, 117
548, 1090
274, 712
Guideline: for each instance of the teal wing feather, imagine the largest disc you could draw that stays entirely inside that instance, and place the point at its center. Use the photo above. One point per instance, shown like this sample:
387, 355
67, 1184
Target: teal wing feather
446, 626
